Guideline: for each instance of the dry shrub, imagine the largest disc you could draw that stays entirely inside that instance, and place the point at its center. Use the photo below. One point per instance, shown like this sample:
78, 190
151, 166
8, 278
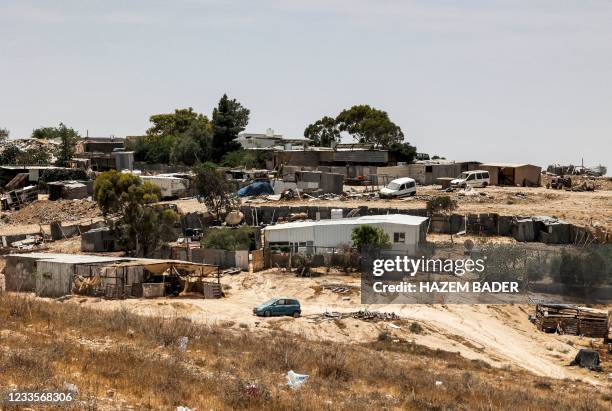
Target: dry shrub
333, 364
26, 364
217, 370
241, 394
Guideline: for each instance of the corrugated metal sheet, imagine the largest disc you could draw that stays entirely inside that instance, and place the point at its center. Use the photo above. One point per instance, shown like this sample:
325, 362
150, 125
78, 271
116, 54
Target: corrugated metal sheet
337, 232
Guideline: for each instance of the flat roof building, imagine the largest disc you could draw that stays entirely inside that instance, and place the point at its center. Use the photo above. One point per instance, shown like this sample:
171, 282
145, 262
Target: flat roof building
406, 232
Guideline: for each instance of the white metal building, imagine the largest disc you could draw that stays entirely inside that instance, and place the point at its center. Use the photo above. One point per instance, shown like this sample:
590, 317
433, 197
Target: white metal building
406, 232
170, 186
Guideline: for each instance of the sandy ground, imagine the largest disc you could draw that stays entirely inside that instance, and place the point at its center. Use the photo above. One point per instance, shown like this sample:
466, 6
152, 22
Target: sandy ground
592, 208
500, 335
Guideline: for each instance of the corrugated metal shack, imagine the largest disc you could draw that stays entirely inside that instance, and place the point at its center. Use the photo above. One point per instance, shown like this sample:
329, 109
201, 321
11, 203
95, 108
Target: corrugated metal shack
425, 172
319, 156
503, 174
97, 240
54, 274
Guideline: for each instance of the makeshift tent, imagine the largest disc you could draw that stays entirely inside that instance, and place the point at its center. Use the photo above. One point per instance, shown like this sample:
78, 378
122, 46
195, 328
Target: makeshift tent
256, 188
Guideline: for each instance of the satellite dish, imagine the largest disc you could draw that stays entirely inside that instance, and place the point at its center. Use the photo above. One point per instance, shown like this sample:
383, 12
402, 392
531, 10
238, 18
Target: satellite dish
468, 244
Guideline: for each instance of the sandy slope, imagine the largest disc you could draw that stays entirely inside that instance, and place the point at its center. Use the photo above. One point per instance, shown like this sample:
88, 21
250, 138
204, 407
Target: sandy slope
500, 335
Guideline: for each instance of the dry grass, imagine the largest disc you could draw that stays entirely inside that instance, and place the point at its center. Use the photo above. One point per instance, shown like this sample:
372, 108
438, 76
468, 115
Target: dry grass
46, 344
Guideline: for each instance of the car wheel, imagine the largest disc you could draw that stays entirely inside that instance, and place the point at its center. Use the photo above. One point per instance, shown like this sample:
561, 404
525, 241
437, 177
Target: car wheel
296, 314
484, 184
267, 313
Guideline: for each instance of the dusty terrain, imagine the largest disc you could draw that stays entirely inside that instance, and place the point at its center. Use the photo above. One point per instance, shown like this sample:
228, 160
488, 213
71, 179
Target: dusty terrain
501, 335
592, 208
115, 360
39, 214
588, 208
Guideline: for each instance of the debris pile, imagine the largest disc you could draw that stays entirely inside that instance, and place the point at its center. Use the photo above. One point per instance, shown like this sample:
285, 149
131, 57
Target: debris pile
46, 212
573, 320
361, 315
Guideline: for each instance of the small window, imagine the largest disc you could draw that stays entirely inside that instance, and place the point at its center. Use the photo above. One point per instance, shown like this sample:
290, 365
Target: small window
485, 174
280, 302
412, 184
399, 237
480, 177
429, 169
403, 187
470, 177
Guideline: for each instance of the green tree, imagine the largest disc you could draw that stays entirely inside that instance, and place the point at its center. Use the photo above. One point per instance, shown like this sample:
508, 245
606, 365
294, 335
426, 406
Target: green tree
38, 155
369, 236
185, 150
244, 158
323, 132
228, 238
45, 133
67, 140
403, 152
229, 118
369, 125
138, 225
214, 190
180, 137
173, 124
9, 154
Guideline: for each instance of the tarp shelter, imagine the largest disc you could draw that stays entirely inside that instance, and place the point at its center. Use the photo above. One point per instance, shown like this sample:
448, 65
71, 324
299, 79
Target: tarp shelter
256, 188
502, 174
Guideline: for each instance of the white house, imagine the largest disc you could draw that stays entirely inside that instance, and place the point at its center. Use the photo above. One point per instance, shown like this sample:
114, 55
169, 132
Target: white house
406, 232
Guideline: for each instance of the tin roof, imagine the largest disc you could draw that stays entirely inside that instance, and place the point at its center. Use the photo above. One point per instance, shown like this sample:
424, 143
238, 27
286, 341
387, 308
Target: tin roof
372, 219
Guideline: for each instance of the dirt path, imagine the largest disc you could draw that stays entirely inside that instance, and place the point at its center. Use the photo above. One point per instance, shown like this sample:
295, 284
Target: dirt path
499, 335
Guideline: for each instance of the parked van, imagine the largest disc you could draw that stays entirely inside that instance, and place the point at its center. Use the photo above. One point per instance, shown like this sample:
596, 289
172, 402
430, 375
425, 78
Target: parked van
476, 178
400, 187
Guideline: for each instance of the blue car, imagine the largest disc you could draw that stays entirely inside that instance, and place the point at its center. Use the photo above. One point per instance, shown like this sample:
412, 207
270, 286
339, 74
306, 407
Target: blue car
279, 306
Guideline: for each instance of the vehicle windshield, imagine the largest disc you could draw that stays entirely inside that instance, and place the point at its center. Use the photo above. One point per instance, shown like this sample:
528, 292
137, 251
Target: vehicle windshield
463, 175
393, 186
271, 301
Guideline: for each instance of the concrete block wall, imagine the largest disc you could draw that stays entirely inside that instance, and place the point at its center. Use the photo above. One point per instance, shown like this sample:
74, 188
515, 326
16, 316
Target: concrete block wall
524, 229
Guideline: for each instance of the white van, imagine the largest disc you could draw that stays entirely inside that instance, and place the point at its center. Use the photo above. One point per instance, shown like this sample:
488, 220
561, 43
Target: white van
476, 178
401, 187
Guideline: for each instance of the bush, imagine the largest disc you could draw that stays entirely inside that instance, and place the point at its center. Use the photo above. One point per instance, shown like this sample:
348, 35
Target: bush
229, 238
416, 328
367, 235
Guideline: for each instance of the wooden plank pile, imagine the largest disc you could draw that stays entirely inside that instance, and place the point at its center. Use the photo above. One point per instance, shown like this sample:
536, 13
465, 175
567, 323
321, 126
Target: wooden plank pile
571, 319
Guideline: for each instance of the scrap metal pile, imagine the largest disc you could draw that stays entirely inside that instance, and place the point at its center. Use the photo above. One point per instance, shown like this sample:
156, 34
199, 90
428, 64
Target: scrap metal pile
571, 319
361, 315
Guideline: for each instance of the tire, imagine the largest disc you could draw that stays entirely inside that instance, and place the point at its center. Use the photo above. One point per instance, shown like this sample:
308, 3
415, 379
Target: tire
296, 314
267, 313
484, 184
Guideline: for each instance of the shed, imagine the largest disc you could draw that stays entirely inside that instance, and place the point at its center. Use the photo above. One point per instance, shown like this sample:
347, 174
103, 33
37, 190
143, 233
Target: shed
53, 274
97, 240
406, 232
503, 174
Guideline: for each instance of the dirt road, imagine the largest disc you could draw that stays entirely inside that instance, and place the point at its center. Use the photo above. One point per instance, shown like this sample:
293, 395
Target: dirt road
499, 335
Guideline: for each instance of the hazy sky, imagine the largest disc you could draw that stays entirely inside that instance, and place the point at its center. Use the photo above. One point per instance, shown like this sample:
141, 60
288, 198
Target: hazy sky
515, 81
